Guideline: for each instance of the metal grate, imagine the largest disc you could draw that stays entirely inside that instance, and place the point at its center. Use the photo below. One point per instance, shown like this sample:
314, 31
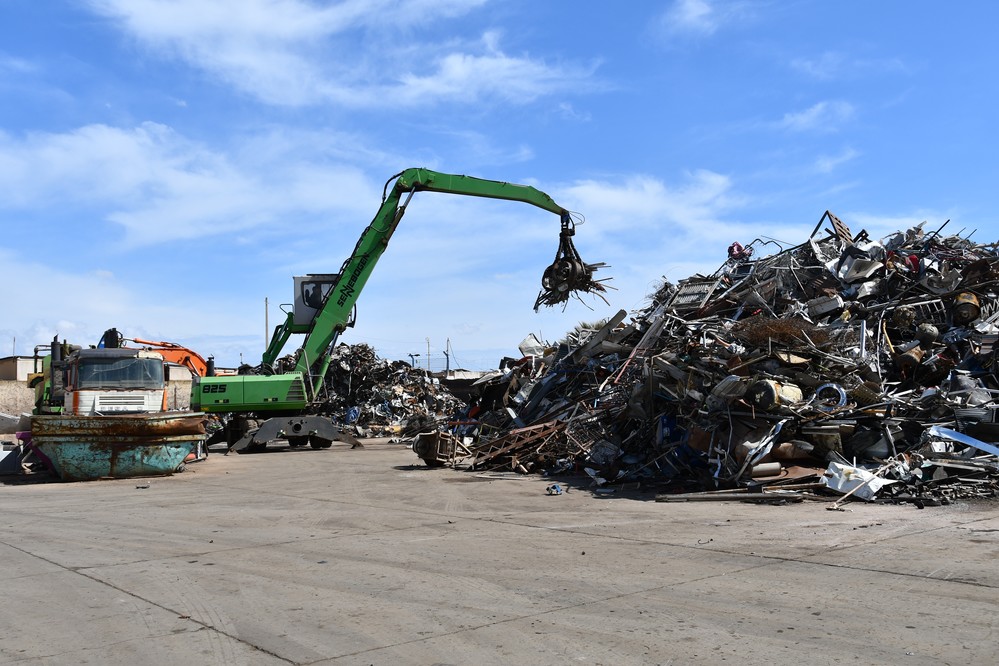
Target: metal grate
692, 294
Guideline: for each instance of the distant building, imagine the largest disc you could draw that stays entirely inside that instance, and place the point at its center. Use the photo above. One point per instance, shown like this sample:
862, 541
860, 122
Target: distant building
16, 368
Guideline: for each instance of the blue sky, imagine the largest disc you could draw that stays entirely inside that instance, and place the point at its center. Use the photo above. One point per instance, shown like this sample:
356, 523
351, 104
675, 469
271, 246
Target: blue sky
165, 167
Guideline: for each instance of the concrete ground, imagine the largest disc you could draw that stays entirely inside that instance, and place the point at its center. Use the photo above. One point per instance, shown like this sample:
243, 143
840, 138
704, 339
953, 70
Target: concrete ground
367, 557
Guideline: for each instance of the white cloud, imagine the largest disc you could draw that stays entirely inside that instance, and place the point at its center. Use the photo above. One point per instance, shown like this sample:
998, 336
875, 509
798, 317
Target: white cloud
468, 77
25, 279
295, 53
697, 16
644, 227
829, 163
835, 64
568, 112
16, 65
80, 306
826, 116
826, 66
487, 150
149, 178
701, 17
881, 225
640, 201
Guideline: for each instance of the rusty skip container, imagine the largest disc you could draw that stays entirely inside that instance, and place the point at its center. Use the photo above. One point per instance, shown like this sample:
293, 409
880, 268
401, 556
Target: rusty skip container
84, 448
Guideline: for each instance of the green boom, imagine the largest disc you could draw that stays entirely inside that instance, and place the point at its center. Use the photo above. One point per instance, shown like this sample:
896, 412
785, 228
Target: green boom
292, 392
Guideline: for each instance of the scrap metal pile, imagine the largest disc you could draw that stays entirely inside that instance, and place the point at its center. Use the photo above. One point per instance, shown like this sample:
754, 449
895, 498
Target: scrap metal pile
841, 365
376, 395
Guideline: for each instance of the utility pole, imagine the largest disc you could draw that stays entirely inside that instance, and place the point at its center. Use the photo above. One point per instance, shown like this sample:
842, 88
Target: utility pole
267, 326
428, 353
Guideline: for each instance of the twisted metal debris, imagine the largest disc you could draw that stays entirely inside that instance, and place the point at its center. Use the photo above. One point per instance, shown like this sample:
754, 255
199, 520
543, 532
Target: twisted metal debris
373, 396
841, 365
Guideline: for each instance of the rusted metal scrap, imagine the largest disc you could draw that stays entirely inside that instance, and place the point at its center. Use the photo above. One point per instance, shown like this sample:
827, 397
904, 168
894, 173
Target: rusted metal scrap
840, 350
372, 394
518, 449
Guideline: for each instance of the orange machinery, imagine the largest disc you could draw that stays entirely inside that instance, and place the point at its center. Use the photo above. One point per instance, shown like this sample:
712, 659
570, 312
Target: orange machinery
170, 351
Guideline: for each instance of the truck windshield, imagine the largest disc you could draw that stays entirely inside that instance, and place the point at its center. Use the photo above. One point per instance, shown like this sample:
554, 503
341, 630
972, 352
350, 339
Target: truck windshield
118, 373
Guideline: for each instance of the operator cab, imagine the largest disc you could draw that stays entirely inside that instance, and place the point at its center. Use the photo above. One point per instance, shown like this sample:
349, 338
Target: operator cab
310, 294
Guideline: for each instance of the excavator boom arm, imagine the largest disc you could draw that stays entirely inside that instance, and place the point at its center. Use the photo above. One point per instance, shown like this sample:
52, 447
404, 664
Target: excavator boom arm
432, 181
332, 319
170, 351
